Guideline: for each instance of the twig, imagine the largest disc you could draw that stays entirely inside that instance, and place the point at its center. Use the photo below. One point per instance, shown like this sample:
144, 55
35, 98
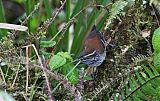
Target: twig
24, 96
40, 61
63, 30
27, 72
47, 80
29, 16
107, 84
36, 7
80, 84
16, 75
71, 21
48, 22
13, 27
41, 64
54, 48
74, 91
113, 33
66, 76
3, 76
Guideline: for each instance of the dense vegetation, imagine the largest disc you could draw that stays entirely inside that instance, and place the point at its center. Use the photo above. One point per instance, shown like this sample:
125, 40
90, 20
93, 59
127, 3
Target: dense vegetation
36, 56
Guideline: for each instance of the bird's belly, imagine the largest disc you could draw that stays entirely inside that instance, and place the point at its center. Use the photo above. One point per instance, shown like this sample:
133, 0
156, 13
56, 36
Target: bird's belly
96, 61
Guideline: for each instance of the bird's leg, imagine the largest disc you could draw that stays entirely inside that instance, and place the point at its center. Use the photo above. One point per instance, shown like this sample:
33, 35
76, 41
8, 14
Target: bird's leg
91, 71
93, 75
88, 71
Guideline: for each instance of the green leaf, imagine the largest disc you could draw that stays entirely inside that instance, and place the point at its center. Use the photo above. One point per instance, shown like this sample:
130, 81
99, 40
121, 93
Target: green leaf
156, 40
127, 91
57, 61
47, 43
73, 77
3, 32
115, 97
156, 60
139, 77
29, 7
46, 54
122, 94
154, 70
143, 75
150, 73
65, 55
158, 91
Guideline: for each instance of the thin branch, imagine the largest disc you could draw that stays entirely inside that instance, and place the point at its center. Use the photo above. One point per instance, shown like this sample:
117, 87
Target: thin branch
48, 22
41, 64
66, 76
74, 91
3, 77
36, 7
63, 30
27, 72
60, 78
13, 27
71, 21
16, 75
54, 48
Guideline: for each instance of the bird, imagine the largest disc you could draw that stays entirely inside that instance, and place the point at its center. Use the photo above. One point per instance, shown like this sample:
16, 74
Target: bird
94, 51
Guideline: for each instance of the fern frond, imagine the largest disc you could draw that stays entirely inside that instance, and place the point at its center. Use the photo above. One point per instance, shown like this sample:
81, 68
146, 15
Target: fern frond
139, 58
100, 89
106, 85
141, 86
116, 9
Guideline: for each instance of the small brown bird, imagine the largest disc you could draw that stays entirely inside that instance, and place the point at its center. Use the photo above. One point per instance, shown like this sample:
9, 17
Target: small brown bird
94, 51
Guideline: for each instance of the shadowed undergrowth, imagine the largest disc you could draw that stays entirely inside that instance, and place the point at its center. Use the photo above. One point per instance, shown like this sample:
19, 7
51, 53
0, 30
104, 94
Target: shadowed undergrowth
36, 64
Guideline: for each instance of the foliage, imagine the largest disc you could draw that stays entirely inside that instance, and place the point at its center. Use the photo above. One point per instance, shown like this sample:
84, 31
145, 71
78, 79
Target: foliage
46, 44
156, 47
116, 9
156, 60
141, 85
156, 40
2, 19
57, 61
34, 62
143, 82
63, 59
